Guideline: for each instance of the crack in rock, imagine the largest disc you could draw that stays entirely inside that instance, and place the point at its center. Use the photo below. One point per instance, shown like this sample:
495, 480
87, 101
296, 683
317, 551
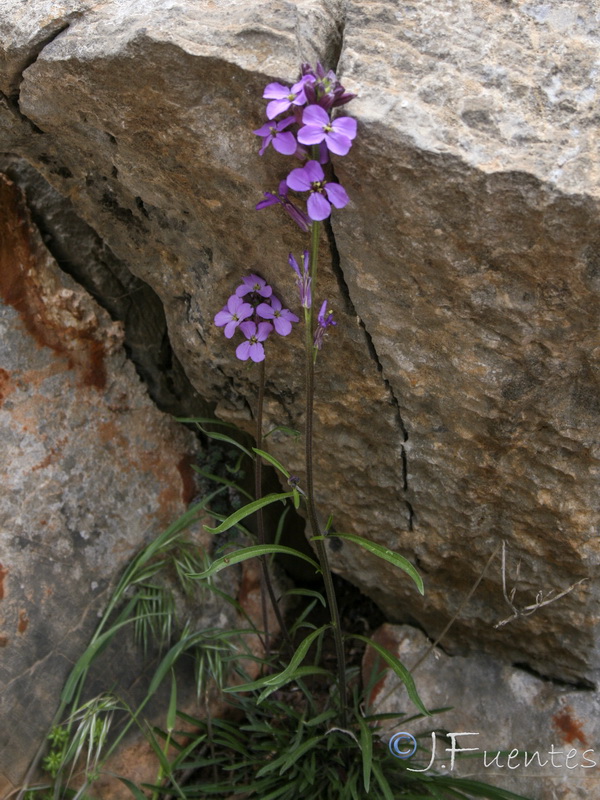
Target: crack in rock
351, 310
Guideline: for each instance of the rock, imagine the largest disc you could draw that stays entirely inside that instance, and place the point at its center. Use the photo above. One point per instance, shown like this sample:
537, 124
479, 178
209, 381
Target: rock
81, 253
457, 402
501, 708
92, 472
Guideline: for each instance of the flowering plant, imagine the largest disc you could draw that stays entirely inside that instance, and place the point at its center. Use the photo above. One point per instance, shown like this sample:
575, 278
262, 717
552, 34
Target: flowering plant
301, 124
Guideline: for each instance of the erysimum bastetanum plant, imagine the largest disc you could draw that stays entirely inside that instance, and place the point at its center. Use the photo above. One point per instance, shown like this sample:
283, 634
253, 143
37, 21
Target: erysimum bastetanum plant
305, 125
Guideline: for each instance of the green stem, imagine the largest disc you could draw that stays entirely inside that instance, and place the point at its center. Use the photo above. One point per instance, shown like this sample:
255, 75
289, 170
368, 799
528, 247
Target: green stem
266, 583
310, 497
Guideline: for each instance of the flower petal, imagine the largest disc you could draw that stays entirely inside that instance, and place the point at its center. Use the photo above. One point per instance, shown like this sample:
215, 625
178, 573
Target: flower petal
318, 207
310, 134
276, 107
265, 311
264, 131
243, 351
293, 264
248, 328
264, 329
282, 326
276, 91
285, 143
298, 180
230, 328
289, 315
337, 195
270, 200
315, 115
314, 171
345, 125
257, 352
222, 317
338, 143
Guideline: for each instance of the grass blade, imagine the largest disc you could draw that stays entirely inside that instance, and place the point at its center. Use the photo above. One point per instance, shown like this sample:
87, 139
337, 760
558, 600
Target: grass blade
366, 747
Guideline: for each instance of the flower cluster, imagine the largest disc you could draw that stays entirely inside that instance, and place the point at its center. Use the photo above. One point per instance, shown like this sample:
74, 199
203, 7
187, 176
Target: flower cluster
308, 105
256, 312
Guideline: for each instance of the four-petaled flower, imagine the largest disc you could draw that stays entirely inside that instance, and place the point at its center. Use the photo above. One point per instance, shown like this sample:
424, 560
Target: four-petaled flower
303, 279
281, 318
254, 283
235, 312
337, 134
323, 194
255, 334
283, 141
282, 97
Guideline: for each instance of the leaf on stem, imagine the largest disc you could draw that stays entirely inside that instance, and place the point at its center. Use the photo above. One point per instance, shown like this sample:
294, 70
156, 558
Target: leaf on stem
398, 668
283, 429
273, 461
246, 510
252, 552
381, 552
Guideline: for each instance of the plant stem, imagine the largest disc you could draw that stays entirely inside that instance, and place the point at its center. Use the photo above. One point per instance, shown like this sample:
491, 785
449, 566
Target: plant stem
310, 497
266, 583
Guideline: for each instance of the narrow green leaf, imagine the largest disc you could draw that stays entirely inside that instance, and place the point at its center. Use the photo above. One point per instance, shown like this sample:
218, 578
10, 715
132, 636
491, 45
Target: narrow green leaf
297, 658
382, 781
172, 711
301, 672
273, 461
251, 552
206, 421
383, 552
324, 717
246, 510
308, 593
222, 437
135, 791
398, 668
366, 746
287, 760
283, 429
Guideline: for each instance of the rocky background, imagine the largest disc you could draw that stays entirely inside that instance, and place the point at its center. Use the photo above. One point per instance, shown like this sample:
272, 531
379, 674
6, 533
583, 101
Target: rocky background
458, 399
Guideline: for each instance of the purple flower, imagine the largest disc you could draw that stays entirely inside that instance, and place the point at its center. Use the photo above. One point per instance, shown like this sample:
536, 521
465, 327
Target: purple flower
255, 335
303, 279
323, 194
232, 314
337, 134
254, 283
325, 319
282, 97
281, 318
299, 217
283, 141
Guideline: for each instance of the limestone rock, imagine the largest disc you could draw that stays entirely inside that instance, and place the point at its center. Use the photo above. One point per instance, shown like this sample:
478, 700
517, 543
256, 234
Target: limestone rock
458, 402
91, 472
502, 708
